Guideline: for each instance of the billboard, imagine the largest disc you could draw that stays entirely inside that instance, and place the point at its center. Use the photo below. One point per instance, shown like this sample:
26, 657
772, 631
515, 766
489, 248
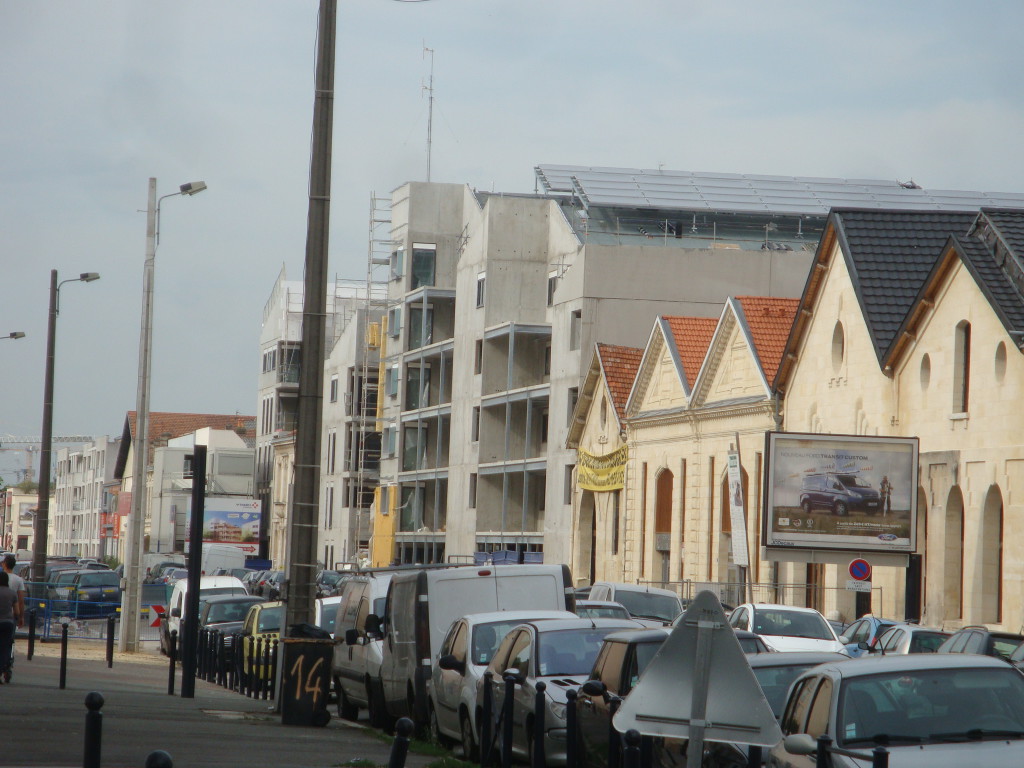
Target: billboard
840, 492
229, 520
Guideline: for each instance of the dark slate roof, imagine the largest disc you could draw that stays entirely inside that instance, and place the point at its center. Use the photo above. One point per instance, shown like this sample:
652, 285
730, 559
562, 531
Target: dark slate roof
890, 254
1004, 297
1009, 223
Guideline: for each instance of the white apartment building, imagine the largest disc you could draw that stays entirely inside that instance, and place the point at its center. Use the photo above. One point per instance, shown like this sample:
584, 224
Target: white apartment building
280, 355
83, 498
495, 303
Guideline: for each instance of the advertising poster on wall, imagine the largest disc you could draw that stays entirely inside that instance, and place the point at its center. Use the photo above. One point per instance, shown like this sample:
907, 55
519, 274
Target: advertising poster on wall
230, 520
840, 492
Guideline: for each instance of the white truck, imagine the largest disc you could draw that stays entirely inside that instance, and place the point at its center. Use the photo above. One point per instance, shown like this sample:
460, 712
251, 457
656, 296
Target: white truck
223, 556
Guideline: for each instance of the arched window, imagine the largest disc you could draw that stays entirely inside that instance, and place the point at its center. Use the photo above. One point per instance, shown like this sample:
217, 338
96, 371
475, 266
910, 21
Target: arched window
962, 367
838, 346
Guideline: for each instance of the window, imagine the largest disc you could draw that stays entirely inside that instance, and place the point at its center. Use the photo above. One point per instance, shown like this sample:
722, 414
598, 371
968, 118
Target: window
329, 514
394, 322
478, 356
422, 268
475, 426
616, 500
962, 367
391, 381
552, 284
574, 396
269, 360
576, 329
481, 283
817, 721
567, 490
332, 449
397, 259
547, 359
421, 327
472, 490
417, 387
334, 389
388, 443
1000, 362
926, 371
838, 346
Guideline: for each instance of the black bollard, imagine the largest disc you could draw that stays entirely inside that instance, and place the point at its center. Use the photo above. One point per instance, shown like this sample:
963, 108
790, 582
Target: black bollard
265, 672
570, 728
201, 654
250, 666
172, 655
272, 680
31, 634
93, 730
824, 750
540, 705
487, 724
507, 720
614, 740
63, 655
159, 759
631, 755
400, 746
110, 641
880, 757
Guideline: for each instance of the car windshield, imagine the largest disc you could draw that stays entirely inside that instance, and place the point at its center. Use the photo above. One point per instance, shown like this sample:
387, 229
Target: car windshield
1005, 646
487, 637
99, 579
270, 619
791, 624
932, 706
853, 481
220, 612
644, 653
775, 682
570, 651
926, 642
602, 612
648, 604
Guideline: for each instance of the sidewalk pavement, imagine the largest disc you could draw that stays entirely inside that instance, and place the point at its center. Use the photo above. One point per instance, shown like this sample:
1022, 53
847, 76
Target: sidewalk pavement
42, 725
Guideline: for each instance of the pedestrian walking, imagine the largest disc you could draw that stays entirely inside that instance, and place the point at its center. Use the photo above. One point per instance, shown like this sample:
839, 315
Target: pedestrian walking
17, 585
10, 615
885, 491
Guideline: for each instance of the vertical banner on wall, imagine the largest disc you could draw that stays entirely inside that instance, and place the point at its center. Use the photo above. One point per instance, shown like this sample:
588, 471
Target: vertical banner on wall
740, 555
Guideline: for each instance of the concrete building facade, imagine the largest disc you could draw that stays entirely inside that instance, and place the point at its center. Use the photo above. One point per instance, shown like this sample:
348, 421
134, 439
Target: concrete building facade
82, 498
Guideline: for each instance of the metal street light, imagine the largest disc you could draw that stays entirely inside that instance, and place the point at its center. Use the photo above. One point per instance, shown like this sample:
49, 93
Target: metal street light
132, 602
14, 335
41, 523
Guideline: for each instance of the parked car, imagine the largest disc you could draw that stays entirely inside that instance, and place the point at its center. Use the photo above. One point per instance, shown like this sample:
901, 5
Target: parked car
176, 608
262, 622
270, 585
982, 640
357, 647
559, 652
325, 613
226, 613
775, 672
641, 601
465, 653
251, 579
910, 638
327, 582
866, 630
173, 575
925, 709
95, 593
787, 627
601, 609
838, 492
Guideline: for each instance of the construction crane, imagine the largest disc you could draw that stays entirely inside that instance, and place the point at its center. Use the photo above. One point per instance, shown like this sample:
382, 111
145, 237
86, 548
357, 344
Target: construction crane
32, 446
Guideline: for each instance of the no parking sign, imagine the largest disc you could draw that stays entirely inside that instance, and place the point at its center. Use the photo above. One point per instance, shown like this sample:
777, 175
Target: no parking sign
860, 575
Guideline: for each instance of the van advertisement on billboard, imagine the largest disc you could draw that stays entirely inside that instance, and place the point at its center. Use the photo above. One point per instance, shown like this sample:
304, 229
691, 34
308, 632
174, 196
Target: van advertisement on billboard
840, 492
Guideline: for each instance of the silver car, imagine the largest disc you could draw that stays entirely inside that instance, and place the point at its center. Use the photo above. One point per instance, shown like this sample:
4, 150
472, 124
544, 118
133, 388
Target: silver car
930, 710
559, 652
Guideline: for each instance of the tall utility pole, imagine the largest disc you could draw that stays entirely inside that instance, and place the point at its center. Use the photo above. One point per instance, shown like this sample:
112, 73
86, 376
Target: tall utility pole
304, 518
429, 88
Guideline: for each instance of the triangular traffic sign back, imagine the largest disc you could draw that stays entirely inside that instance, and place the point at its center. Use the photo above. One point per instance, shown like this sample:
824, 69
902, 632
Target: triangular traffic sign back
700, 681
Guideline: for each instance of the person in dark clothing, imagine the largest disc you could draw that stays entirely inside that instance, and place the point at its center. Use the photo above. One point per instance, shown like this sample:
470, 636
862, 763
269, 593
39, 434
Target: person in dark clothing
10, 615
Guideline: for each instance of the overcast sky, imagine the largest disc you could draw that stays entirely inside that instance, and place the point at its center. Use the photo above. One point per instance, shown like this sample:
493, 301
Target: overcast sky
98, 96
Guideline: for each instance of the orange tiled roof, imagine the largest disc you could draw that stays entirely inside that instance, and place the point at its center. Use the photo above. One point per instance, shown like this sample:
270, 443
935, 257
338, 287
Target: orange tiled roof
769, 321
692, 337
169, 425
619, 366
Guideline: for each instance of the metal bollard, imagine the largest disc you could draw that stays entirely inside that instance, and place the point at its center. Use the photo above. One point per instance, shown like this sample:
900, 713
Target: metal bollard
880, 757
273, 669
258, 669
158, 759
265, 674
614, 740
631, 754
250, 667
507, 720
31, 634
487, 721
540, 705
63, 656
570, 728
201, 654
400, 746
110, 641
824, 751
93, 730
172, 655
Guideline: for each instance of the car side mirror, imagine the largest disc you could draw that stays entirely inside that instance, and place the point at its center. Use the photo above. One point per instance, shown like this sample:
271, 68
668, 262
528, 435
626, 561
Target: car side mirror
176, 613
352, 637
452, 664
844, 640
373, 624
518, 677
864, 646
594, 688
800, 744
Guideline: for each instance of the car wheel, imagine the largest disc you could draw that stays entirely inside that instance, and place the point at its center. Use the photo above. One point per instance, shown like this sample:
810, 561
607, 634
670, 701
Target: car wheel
470, 751
379, 717
841, 509
346, 709
435, 729
806, 504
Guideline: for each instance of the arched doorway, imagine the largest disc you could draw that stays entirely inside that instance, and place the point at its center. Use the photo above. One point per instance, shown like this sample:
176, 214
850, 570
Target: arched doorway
953, 557
663, 488
915, 587
990, 557
586, 540
728, 570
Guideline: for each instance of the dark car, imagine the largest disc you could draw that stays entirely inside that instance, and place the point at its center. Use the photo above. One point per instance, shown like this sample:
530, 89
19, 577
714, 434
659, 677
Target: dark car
983, 641
839, 493
327, 582
225, 613
93, 593
271, 584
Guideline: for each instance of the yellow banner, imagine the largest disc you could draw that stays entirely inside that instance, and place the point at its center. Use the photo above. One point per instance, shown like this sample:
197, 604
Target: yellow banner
601, 473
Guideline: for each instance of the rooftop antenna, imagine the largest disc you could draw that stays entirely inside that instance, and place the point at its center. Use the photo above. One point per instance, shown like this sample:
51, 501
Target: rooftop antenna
429, 88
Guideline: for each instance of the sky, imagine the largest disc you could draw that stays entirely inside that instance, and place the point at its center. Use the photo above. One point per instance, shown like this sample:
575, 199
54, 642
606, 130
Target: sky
98, 97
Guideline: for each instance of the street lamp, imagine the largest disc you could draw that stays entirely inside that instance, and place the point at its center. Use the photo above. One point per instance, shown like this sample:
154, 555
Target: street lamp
39, 529
132, 603
14, 335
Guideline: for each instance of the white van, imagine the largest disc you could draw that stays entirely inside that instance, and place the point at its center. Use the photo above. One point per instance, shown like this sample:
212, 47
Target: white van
357, 651
641, 601
421, 606
208, 585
